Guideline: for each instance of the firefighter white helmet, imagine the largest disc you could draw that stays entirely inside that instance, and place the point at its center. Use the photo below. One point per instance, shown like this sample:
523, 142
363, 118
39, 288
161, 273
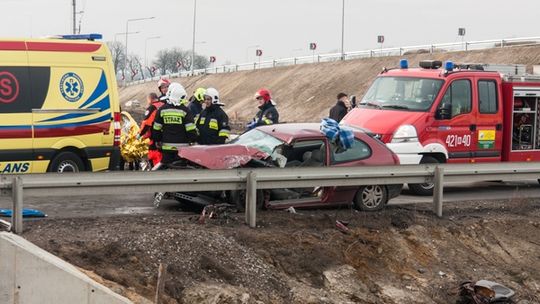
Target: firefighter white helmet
176, 94
214, 94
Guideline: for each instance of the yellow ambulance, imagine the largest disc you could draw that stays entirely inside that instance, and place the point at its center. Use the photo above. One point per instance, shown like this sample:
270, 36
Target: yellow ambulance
59, 105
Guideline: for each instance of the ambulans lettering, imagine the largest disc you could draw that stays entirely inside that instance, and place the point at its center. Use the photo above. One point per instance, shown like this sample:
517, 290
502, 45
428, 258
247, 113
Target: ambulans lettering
14, 167
71, 87
453, 140
9, 87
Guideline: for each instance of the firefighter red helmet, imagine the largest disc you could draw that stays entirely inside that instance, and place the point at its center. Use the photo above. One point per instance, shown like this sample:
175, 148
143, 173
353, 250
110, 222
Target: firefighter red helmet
162, 82
264, 93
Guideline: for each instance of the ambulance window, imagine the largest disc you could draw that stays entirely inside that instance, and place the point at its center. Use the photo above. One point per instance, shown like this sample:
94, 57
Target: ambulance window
14, 90
487, 96
459, 96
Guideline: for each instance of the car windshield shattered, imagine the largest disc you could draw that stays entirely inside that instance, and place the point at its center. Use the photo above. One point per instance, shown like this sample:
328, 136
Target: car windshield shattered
259, 140
402, 93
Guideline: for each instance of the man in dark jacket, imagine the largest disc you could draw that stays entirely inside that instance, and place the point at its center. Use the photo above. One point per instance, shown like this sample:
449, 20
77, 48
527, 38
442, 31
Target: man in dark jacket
340, 109
268, 113
213, 122
173, 126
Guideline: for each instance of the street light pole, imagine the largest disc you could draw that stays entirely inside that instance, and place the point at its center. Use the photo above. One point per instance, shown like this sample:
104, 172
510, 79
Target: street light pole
145, 48
342, 30
193, 46
118, 34
127, 31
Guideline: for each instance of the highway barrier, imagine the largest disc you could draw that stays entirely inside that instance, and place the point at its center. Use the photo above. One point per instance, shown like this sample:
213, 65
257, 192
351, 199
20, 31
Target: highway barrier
252, 179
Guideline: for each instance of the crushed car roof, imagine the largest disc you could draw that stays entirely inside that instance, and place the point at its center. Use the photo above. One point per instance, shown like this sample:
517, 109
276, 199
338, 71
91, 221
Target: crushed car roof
288, 132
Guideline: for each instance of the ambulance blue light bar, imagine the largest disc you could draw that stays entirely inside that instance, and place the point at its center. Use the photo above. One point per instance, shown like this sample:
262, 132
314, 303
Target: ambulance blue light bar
404, 64
449, 65
82, 37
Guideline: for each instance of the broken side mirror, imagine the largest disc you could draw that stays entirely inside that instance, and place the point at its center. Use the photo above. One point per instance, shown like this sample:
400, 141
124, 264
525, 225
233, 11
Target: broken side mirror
444, 111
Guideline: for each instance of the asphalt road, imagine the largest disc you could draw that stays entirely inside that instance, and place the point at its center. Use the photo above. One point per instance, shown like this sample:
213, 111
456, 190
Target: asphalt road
100, 205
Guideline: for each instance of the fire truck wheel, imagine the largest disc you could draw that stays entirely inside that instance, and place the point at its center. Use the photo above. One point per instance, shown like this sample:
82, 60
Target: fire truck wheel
427, 188
66, 162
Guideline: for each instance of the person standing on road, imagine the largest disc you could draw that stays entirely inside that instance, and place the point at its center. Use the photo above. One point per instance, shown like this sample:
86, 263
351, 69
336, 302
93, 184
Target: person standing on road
340, 109
153, 105
174, 126
213, 122
163, 86
268, 113
196, 101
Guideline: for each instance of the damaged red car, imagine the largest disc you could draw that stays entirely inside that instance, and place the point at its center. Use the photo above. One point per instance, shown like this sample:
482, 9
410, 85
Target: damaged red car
292, 145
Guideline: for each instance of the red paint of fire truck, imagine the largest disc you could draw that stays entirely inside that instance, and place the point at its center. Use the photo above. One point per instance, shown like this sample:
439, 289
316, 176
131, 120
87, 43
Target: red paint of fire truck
463, 113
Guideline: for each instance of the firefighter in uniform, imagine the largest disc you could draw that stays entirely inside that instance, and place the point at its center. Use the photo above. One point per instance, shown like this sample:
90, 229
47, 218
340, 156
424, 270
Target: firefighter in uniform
213, 122
174, 126
154, 104
163, 86
196, 101
268, 113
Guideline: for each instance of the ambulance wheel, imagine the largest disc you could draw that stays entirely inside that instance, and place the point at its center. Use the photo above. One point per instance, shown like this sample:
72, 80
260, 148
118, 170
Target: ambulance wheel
425, 189
66, 162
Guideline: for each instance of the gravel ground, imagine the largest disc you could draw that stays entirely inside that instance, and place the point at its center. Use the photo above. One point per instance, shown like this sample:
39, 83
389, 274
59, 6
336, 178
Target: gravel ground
399, 255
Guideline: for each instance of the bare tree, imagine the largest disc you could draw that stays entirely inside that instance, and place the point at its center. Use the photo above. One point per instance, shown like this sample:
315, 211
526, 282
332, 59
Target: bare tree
134, 66
176, 59
118, 52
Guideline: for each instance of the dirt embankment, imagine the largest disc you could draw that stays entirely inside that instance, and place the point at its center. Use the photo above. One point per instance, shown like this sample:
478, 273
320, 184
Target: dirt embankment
400, 255
305, 93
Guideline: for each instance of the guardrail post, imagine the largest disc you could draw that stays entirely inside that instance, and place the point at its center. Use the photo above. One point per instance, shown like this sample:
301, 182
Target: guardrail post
251, 199
17, 215
438, 191
318, 58
502, 43
400, 50
432, 49
466, 46
254, 65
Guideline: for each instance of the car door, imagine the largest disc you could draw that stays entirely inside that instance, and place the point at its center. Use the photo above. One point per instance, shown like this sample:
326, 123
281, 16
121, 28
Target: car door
455, 130
358, 155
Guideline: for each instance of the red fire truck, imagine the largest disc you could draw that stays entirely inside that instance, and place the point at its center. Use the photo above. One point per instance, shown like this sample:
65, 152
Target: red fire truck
456, 113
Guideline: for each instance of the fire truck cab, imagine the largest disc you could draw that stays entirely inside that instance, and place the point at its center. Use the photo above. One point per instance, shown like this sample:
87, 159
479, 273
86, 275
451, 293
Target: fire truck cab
463, 113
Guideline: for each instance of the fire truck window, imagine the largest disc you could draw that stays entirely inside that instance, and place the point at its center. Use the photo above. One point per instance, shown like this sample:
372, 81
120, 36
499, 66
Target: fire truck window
459, 96
487, 96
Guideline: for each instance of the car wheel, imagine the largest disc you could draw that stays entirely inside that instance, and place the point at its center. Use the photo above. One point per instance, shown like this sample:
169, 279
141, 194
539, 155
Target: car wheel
425, 189
66, 162
238, 198
371, 198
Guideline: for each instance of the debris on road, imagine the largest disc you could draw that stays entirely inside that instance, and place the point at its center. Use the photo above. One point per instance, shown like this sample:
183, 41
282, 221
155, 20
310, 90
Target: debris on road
484, 292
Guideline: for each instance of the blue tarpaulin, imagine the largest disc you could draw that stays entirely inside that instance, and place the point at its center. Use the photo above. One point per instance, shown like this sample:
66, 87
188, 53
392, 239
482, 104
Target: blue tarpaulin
26, 213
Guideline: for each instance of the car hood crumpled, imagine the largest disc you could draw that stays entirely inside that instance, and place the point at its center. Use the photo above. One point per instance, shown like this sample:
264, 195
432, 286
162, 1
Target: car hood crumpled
221, 156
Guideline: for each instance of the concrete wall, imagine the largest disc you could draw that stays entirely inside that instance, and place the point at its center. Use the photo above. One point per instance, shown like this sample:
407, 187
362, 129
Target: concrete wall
29, 274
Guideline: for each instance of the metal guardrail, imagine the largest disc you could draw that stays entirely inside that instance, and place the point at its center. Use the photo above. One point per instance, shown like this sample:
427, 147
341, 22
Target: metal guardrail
252, 179
395, 51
